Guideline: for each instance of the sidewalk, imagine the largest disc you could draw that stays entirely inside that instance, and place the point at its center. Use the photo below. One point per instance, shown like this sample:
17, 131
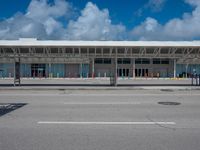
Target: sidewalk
101, 81
98, 84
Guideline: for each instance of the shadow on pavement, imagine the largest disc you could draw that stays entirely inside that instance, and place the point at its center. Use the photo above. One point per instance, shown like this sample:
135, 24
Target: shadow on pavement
8, 107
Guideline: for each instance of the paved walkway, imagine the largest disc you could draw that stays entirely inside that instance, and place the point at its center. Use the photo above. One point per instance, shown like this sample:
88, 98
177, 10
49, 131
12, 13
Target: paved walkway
97, 84
100, 81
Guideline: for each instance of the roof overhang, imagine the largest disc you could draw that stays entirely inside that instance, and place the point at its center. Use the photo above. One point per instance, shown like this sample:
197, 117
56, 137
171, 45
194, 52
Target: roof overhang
64, 43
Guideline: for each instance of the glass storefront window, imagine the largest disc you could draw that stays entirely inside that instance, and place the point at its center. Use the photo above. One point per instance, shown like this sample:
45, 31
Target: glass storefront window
145, 61
107, 61
138, 61
156, 61
165, 61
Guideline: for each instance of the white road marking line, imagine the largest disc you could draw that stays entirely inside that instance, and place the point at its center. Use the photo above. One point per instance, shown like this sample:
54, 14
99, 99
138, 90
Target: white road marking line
120, 103
100, 95
106, 123
139, 94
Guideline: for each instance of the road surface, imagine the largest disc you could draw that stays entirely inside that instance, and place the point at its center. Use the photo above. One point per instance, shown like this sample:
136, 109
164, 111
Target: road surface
99, 120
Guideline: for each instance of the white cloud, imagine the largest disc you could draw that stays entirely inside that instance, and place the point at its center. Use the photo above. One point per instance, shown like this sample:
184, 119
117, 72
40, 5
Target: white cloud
185, 28
21, 26
156, 5
40, 10
153, 5
40, 21
148, 29
51, 25
94, 24
193, 2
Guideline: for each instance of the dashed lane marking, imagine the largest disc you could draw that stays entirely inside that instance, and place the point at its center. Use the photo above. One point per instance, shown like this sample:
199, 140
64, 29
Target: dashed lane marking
106, 103
106, 123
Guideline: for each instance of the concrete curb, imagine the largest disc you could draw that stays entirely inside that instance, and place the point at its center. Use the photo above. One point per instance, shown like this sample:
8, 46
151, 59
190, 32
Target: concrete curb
45, 88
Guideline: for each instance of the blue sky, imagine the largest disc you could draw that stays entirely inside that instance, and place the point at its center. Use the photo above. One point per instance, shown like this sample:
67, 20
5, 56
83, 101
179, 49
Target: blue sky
100, 20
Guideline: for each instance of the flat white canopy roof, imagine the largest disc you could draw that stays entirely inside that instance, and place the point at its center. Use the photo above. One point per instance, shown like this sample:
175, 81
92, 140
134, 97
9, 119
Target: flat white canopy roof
57, 43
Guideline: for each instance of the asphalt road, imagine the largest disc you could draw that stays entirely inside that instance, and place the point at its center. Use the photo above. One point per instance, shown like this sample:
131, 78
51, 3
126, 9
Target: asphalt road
100, 120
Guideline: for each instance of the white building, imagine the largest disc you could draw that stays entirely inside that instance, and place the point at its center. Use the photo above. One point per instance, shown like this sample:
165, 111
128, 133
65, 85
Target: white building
34, 58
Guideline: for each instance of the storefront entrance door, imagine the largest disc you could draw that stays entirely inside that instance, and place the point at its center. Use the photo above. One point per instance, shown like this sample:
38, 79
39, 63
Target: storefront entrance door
38, 70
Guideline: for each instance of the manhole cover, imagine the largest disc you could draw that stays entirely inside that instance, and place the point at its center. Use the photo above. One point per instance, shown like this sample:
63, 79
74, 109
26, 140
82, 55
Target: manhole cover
169, 103
8, 107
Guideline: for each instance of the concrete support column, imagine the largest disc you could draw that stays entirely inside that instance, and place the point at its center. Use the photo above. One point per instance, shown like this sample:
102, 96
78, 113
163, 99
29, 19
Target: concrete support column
116, 66
14, 72
174, 68
113, 78
115, 71
133, 65
186, 69
50, 72
81, 70
93, 71
17, 71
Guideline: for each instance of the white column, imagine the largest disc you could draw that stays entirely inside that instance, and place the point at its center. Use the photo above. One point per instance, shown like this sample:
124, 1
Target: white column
174, 68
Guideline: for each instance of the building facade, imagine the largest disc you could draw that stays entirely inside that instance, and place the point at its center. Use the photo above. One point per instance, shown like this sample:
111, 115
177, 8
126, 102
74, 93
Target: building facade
89, 59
